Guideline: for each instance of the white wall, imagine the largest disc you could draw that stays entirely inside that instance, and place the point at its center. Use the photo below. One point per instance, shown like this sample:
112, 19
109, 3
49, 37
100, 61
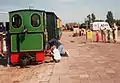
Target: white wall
4, 17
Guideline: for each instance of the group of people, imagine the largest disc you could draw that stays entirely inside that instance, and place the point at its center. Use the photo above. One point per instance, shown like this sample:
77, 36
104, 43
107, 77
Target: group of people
56, 50
79, 32
105, 35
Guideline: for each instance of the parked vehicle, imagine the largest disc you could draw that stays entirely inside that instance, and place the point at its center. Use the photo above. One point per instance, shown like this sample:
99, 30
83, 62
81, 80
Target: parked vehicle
99, 25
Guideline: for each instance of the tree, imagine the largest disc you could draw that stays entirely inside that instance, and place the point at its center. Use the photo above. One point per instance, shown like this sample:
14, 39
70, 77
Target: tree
89, 20
83, 25
117, 22
99, 20
110, 18
93, 17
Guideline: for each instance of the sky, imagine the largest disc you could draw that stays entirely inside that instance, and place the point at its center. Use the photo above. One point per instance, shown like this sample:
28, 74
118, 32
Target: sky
66, 10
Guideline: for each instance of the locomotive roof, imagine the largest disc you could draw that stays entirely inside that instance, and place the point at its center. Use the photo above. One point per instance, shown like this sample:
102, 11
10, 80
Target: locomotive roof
27, 10
34, 10
52, 13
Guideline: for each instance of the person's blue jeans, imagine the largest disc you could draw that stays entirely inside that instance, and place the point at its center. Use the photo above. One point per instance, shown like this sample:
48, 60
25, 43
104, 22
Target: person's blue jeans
61, 49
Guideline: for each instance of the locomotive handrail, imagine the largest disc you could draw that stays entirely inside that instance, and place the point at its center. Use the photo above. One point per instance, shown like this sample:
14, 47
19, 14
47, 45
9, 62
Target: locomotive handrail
25, 31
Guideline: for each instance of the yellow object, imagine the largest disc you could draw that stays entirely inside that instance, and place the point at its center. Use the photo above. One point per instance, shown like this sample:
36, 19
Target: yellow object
59, 23
89, 35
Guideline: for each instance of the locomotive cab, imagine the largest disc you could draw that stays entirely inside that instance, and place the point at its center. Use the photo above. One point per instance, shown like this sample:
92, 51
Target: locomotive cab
27, 35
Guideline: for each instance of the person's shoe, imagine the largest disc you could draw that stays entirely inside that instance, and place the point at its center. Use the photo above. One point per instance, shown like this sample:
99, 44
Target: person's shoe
62, 54
66, 54
8, 65
51, 60
57, 61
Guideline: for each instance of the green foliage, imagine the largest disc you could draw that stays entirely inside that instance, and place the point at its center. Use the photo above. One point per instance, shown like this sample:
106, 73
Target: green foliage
89, 18
110, 18
88, 21
117, 22
93, 17
83, 25
70, 25
99, 20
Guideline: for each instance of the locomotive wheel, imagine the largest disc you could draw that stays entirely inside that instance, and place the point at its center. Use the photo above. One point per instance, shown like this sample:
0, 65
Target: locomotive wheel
24, 60
23, 63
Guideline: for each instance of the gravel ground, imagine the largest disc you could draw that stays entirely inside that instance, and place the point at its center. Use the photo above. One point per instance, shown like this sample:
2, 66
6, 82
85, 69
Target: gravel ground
89, 62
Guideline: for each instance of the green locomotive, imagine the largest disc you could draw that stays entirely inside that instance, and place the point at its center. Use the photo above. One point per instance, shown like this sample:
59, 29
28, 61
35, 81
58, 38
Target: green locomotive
29, 32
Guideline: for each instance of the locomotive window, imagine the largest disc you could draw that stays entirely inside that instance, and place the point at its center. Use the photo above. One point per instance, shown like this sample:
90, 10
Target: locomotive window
35, 20
16, 21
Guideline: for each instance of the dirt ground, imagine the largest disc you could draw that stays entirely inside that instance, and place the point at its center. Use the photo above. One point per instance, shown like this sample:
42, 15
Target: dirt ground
89, 62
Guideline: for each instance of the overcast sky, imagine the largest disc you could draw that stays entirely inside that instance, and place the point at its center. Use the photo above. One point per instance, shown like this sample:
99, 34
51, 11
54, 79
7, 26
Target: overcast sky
67, 10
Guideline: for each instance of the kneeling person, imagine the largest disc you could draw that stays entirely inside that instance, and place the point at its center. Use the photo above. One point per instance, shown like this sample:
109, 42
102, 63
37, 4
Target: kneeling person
56, 54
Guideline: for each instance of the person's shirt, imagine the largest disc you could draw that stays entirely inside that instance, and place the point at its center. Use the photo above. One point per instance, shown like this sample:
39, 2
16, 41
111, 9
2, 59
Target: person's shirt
113, 29
54, 42
56, 54
3, 28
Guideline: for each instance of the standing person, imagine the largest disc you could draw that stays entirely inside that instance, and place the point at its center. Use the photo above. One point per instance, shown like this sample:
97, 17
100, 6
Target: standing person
97, 36
7, 44
80, 32
103, 35
84, 32
3, 28
75, 30
108, 35
56, 54
115, 31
